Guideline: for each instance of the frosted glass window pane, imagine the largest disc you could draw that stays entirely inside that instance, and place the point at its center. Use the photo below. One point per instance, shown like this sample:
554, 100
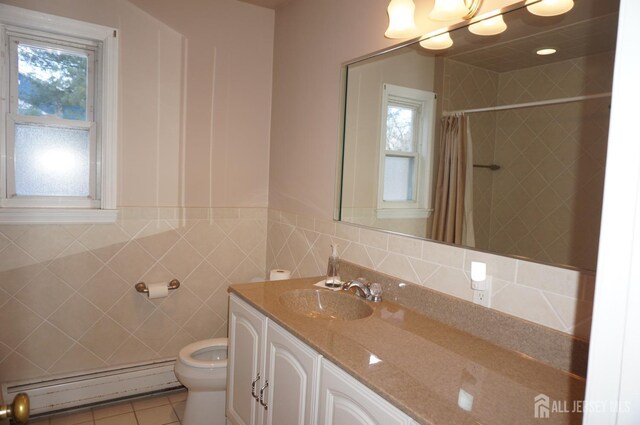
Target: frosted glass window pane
52, 82
51, 161
400, 128
398, 178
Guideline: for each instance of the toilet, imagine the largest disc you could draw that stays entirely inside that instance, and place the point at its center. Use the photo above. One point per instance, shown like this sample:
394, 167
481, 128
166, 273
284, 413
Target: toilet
202, 368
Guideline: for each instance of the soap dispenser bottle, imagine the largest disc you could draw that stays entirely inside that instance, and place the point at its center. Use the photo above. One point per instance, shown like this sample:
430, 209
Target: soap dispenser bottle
333, 277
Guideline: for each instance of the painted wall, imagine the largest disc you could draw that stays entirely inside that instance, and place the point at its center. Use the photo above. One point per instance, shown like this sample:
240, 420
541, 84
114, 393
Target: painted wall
408, 68
304, 135
195, 96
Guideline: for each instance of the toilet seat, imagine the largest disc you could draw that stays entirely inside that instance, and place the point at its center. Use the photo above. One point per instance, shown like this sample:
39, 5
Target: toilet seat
186, 353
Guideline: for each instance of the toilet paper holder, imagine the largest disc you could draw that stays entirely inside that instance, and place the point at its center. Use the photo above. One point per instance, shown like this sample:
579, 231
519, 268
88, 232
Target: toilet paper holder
142, 287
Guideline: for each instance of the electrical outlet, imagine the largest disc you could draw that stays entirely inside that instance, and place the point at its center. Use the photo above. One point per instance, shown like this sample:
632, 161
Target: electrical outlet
483, 297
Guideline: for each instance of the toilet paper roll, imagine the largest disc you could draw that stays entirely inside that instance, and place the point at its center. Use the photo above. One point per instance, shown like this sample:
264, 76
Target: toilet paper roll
280, 274
158, 290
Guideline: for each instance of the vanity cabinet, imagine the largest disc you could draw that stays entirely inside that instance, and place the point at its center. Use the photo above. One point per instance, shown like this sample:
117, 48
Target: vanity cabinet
345, 401
272, 376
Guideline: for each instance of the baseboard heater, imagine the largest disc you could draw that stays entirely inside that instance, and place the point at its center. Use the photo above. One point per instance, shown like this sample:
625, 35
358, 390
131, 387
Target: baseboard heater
87, 389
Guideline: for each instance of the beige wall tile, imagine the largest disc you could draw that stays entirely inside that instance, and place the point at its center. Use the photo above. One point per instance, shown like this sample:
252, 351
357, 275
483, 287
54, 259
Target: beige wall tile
104, 289
104, 337
181, 259
17, 268
75, 265
205, 236
442, 254
132, 350
526, 303
77, 358
44, 243
131, 262
45, 293
75, 316
48, 336
19, 329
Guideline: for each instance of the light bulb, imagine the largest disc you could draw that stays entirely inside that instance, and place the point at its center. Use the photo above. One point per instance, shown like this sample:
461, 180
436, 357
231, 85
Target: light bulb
549, 7
438, 42
453, 10
489, 26
401, 22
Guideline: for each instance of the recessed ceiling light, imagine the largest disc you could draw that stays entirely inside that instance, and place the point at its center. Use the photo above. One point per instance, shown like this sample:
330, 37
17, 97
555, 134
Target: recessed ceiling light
546, 51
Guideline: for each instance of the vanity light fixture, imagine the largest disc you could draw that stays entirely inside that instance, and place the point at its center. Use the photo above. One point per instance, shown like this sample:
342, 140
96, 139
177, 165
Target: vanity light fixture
489, 26
438, 42
401, 21
452, 10
546, 51
549, 7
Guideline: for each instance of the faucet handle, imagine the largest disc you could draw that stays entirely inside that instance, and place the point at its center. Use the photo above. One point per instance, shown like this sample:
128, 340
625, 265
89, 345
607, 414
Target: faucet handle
376, 292
363, 280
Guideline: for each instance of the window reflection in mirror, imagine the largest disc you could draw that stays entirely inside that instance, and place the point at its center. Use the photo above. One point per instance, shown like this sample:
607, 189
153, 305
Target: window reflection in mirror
538, 129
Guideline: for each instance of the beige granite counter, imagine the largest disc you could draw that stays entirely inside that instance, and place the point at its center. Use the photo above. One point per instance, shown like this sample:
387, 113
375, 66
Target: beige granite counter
421, 365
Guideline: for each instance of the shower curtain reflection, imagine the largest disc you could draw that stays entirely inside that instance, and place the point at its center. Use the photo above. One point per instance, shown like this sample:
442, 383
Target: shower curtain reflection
453, 212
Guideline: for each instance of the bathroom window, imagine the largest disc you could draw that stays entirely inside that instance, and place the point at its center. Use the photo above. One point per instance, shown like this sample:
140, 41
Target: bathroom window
58, 143
406, 145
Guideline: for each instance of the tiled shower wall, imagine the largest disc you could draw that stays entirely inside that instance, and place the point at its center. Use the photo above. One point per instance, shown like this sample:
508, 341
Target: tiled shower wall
545, 201
67, 297
547, 198
554, 297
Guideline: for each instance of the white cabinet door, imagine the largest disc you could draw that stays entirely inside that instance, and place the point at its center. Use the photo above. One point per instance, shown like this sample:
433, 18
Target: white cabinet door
345, 401
292, 369
247, 328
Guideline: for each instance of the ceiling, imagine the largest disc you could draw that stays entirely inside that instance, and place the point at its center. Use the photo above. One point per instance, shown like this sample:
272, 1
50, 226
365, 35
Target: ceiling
580, 39
270, 4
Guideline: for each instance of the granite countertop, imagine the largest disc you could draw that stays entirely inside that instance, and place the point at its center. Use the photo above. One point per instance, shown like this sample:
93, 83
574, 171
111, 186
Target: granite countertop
422, 366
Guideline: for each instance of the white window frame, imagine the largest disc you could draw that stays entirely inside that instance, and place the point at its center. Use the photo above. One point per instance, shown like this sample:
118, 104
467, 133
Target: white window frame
424, 104
37, 27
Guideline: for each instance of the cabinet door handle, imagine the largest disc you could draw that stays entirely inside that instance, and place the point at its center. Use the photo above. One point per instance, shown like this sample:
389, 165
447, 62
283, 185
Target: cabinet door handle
266, 384
253, 387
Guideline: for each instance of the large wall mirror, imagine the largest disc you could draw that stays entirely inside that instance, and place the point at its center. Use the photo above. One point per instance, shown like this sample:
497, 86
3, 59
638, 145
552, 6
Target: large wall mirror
535, 125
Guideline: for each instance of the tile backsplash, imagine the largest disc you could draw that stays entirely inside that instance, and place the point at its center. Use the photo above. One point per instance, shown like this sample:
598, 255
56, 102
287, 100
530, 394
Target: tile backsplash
558, 298
67, 293
70, 288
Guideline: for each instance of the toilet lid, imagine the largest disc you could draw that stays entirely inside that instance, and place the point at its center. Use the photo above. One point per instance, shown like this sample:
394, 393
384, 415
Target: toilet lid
187, 352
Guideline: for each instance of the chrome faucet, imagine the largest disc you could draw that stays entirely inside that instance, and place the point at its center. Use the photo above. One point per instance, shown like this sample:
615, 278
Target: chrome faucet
364, 289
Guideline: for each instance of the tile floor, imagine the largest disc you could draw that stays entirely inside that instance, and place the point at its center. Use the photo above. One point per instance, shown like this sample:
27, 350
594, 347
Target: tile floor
165, 408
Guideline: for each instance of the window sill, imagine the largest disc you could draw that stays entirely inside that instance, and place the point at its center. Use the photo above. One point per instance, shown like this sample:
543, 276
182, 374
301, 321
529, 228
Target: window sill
56, 216
403, 213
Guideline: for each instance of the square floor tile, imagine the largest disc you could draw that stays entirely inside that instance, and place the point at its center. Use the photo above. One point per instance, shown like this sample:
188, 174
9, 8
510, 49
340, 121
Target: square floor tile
160, 415
112, 410
146, 403
179, 408
126, 419
73, 418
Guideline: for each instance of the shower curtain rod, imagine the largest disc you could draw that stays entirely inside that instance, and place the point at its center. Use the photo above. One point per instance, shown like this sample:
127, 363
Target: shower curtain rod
528, 104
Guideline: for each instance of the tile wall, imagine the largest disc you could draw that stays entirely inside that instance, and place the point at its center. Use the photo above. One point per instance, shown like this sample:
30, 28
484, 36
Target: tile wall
545, 201
67, 297
554, 297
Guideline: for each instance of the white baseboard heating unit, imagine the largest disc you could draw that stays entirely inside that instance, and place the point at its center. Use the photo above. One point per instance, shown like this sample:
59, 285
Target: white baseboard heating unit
51, 395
